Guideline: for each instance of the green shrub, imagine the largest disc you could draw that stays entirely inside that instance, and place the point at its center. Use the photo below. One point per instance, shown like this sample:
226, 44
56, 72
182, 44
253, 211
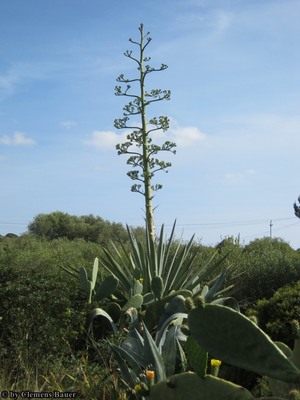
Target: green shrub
88, 227
275, 314
42, 309
265, 266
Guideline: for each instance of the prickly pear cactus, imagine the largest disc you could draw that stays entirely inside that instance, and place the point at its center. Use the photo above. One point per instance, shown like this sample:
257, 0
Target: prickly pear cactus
197, 357
88, 285
106, 288
135, 301
85, 284
189, 386
231, 337
157, 286
296, 351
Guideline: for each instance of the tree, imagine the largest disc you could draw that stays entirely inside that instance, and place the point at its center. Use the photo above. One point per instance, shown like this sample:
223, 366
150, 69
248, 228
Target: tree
297, 208
142, 152
88, 227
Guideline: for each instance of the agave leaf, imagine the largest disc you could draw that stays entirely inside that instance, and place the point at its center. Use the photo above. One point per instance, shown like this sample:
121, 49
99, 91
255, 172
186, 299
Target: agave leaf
169, 351
185, 272
153, 357
128, 375
143, 259
230, 302
134, 347
117, 268
128, 357
162, 332
83, 277
216, 287
98, 312
182, 356
161, 253
208, 269
180, 269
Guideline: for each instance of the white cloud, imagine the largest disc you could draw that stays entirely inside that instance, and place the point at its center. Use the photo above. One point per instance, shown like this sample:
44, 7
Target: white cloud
7, 82
235, 178
106, 140
186, 136
17, 139
270, 133
183, 136
68, 124
18, 74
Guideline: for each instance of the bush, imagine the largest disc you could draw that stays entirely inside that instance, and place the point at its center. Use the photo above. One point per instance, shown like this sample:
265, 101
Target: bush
42, 309
88, 227
265, 266
275, 315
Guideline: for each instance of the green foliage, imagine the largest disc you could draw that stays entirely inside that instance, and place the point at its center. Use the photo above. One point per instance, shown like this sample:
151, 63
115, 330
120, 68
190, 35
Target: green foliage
297, 208
265, 265
88, 227
276, 314
42, 310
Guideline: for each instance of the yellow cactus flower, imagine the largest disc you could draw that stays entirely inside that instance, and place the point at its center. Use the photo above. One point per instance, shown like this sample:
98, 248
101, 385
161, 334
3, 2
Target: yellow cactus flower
137, 388
141, 280
215, 363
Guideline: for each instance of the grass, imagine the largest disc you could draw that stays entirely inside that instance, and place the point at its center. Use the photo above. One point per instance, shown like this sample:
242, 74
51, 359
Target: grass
91, 377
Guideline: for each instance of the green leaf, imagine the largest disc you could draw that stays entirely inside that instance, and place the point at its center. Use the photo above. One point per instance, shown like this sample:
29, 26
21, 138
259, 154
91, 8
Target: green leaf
153, 357
98, 312
95, 273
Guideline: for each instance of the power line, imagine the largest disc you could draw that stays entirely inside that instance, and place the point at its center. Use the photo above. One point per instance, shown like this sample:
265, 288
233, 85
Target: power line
229, 223
266, 232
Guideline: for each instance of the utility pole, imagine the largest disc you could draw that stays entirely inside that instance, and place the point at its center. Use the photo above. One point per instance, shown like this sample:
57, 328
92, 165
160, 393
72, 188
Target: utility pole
271, 224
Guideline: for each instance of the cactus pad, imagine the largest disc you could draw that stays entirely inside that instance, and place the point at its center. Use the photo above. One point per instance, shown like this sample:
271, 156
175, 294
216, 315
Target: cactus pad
231, 337
189, 385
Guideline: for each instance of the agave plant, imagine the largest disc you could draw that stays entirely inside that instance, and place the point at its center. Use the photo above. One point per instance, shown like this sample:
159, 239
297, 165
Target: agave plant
156, 268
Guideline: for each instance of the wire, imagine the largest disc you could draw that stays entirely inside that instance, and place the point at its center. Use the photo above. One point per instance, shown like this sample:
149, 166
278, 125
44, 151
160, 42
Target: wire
229, 223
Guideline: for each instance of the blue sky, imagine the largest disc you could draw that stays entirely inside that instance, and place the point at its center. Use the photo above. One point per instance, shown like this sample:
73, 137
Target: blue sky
234, 77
